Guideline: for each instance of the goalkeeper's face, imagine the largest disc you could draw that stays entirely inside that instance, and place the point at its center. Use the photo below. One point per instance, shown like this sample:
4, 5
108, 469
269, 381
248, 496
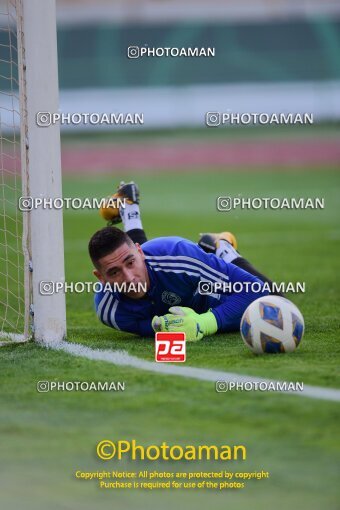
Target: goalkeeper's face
126, 268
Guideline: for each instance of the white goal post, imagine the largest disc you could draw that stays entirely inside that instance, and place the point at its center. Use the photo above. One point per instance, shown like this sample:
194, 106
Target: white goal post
40, 161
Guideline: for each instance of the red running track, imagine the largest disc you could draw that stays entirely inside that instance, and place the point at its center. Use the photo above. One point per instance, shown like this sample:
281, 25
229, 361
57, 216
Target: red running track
194, 155
189, 155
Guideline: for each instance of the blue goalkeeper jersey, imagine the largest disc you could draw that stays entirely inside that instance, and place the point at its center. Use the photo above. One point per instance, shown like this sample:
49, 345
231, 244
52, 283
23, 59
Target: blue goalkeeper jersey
176, 266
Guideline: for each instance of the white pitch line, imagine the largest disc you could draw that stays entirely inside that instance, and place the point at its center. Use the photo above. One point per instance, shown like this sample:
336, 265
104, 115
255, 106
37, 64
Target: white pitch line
123, 358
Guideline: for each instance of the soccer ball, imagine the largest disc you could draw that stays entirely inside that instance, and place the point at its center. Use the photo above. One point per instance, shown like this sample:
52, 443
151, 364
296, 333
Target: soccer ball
272, 324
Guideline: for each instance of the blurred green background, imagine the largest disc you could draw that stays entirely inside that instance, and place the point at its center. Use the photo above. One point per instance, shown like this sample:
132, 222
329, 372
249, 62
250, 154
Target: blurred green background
292, 49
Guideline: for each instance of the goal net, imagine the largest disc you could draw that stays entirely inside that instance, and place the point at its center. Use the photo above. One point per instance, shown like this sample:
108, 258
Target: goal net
14, 284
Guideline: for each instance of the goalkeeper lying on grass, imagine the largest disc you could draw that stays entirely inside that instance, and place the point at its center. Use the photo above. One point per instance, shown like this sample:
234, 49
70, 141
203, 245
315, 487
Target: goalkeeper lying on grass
164, 274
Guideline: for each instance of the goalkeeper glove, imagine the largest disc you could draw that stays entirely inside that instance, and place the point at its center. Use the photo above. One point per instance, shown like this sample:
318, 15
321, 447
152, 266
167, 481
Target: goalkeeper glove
184, 319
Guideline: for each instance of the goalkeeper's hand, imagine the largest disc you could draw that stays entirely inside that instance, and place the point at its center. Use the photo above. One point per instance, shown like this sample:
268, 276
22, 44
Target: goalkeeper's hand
184, 319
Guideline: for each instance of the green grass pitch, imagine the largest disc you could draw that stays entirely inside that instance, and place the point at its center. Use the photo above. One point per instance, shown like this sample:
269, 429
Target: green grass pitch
46, 437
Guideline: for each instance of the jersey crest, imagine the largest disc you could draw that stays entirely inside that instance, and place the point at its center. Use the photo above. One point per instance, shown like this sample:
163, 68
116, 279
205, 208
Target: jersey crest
170, 298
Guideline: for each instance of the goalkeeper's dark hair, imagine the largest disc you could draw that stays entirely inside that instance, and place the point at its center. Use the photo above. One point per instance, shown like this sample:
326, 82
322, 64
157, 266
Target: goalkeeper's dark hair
105, 241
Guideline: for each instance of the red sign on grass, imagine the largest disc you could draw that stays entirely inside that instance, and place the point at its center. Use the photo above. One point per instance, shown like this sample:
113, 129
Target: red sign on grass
170, 347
